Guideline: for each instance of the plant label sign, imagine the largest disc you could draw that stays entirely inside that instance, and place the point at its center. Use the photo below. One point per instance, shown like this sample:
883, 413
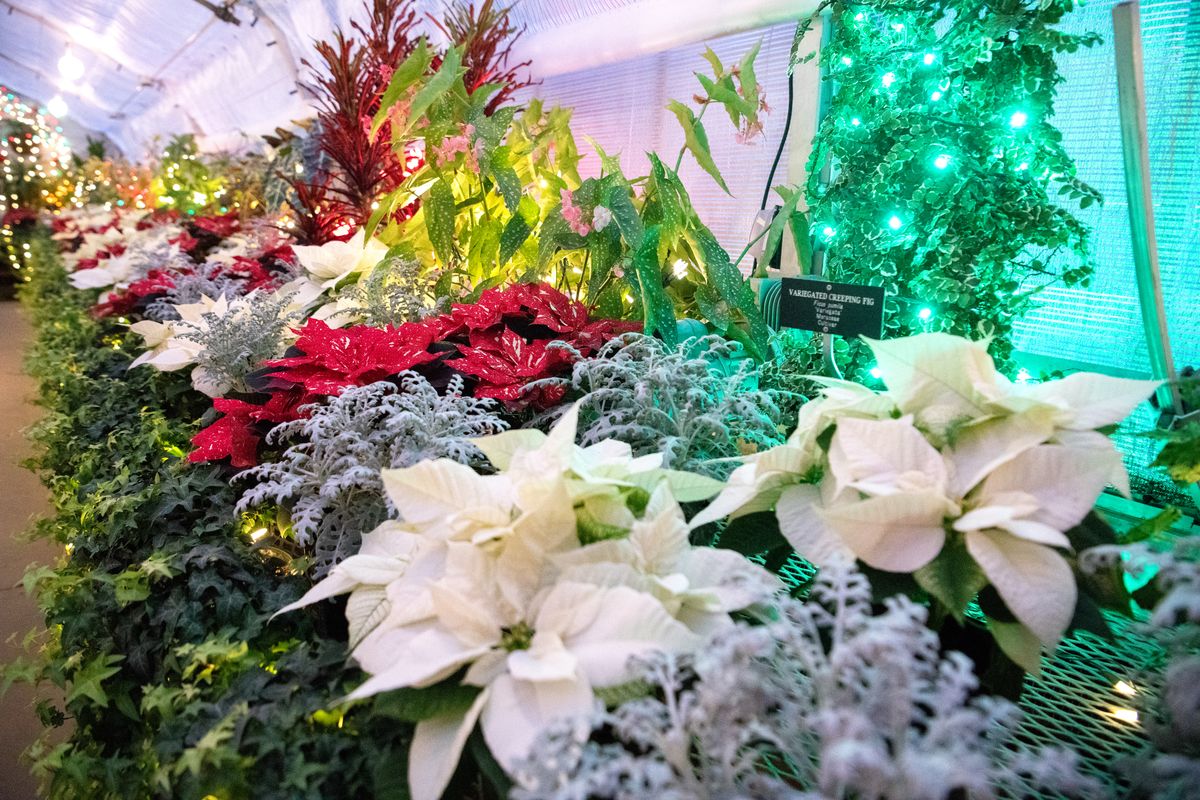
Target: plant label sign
842, 309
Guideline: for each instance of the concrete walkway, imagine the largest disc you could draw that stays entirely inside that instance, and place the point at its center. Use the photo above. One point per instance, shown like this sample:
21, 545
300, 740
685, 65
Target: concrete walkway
21, 498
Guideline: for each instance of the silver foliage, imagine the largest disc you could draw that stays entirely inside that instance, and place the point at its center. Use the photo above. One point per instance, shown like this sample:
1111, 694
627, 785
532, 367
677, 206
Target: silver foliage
330, 479
240, 341
829, 701
1169, 767
694, 403
190, 285
398, 290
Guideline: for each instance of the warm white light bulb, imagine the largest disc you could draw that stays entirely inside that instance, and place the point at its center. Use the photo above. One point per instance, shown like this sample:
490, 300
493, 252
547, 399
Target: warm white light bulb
942, 161
70, 67
57, 106
1018, 119
894, 222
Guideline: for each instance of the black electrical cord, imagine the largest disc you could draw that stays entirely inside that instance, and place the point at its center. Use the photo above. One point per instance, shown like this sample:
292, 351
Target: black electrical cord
787, 126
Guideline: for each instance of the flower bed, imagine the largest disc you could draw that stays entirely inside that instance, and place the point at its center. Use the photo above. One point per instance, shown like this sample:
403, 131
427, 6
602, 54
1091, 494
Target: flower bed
510, 547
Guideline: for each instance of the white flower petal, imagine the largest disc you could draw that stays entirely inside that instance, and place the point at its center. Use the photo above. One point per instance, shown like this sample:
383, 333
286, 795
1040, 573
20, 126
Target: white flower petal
872, 455
897, 533
1064, 481
517, 711
801, 523
1035, 582
1094, 400
940, 377
436, 748
981, 448
604, 627
432, 490
417, 655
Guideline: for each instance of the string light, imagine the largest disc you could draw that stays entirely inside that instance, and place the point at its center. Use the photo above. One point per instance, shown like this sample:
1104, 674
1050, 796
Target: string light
894, 222
925, 314
1018, 119
70, 67
942, 161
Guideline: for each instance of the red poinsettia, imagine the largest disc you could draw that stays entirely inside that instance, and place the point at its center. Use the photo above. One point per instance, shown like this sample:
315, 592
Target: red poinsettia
237, 434
508, 340
157, 281
187, 243
504, 363
252, 272
333, 358
224, 225
233, 436
17, 216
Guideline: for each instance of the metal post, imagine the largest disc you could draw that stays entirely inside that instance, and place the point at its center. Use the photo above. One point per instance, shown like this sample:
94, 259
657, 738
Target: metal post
818, 262
1131, 91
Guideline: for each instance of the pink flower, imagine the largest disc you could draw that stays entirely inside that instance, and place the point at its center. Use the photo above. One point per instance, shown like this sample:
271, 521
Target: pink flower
749, 133
451, 146
573, 214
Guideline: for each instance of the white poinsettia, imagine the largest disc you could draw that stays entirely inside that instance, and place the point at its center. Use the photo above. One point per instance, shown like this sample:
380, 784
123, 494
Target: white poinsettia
942, 380
698, 585
758, 483
487, 575
328, 264
169, 349
889, 500
534, 664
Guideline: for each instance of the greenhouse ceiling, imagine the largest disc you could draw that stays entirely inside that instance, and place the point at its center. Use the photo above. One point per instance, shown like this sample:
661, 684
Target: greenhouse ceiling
134, 70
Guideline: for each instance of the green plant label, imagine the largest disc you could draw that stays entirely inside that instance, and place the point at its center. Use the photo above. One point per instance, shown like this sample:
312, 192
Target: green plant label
843, 309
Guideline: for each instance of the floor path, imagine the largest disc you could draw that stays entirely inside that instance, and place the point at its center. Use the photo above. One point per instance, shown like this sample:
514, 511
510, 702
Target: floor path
21, 498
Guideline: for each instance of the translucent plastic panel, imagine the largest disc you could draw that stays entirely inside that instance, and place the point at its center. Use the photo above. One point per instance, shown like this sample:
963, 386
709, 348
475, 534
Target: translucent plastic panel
623, 107
1102, 325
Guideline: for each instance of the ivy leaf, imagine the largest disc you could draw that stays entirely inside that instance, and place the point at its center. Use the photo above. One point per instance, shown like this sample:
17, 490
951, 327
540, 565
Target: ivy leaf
440, 212
88, 680
658, 311
696, 140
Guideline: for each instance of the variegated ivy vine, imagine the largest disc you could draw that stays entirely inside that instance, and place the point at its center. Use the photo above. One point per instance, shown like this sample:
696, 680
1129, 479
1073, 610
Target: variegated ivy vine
501, 200
935, 170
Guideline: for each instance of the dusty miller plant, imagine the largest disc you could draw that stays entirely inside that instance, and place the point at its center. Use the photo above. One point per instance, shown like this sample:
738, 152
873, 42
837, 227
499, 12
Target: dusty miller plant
330, 478
693, 403
240, 341
190, 286
396, 291
829, 701
1169, 767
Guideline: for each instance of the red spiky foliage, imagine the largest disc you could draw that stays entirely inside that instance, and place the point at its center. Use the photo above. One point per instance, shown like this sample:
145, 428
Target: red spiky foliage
348, 86
318, 212
486, 36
